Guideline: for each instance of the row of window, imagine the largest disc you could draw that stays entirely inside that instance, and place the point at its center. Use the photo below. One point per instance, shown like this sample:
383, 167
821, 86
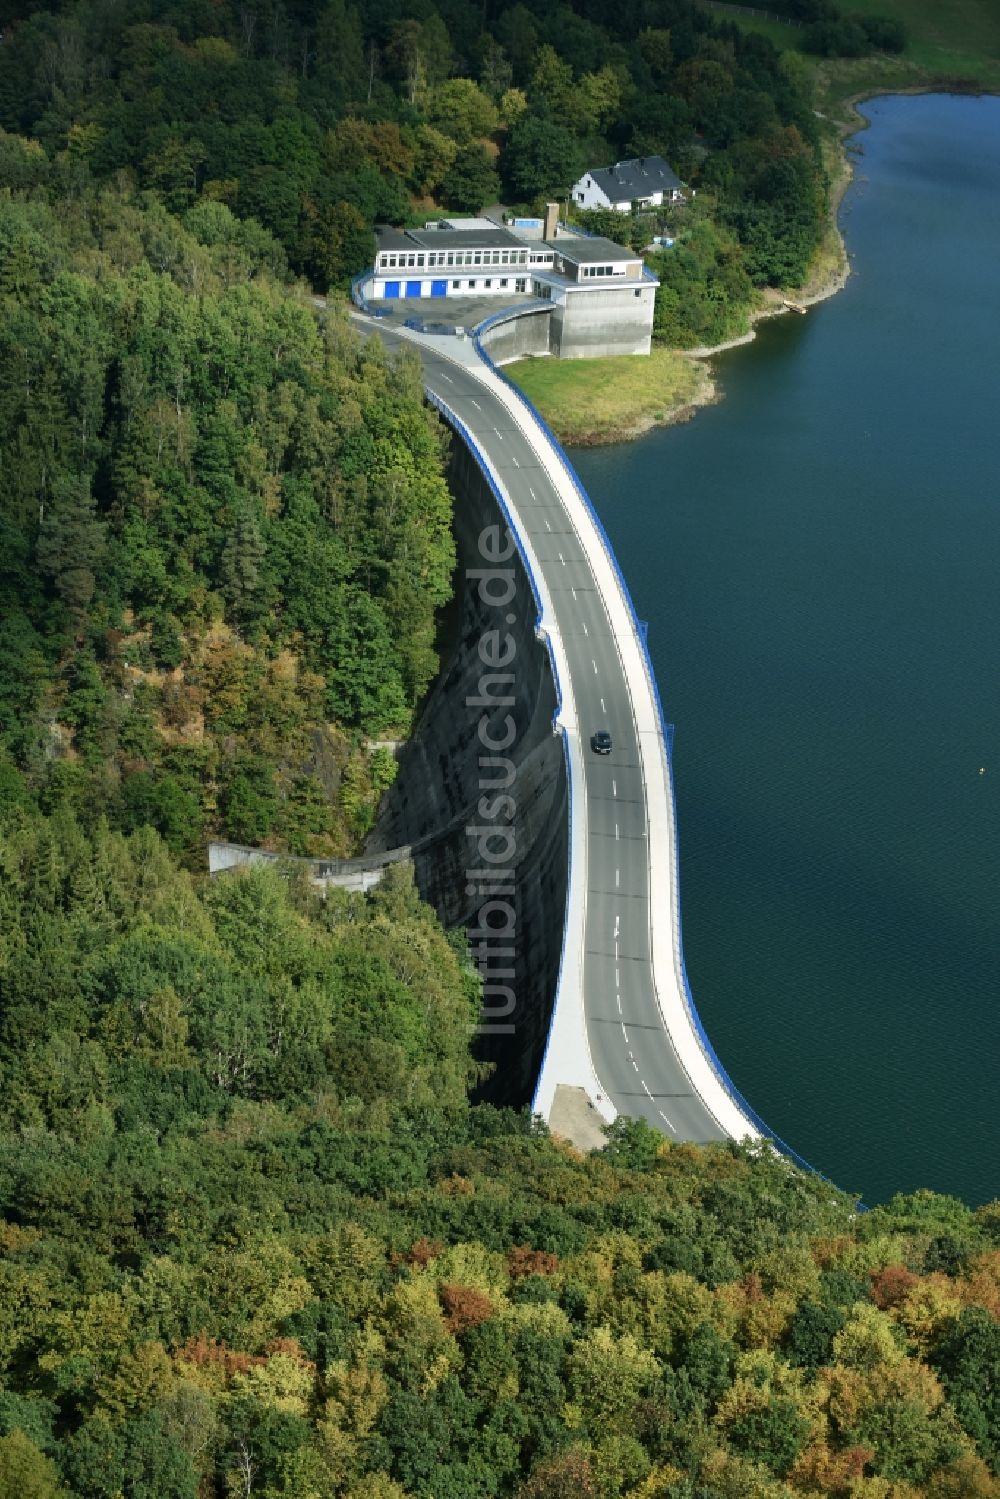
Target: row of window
520, 284
415, 260
602, 270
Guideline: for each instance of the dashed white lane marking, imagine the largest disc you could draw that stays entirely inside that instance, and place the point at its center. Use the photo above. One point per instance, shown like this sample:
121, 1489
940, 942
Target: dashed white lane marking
619, 998
587, 632
618, 978
449, 379
547, 526
618, 875
477, 405
573, 592
625, 1033
498, 433
532, 492
614, 788
515, 462
635, 1064
664, 1118
646, 1090
617, 837
594, 665
562, 559
617, 927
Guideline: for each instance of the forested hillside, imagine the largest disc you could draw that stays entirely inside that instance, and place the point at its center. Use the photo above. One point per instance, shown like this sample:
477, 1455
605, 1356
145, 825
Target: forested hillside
224, 536
253, 1240
317, 120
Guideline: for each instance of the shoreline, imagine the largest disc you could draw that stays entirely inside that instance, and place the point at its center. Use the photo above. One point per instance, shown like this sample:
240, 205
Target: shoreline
809, 294
708, 395
776, 303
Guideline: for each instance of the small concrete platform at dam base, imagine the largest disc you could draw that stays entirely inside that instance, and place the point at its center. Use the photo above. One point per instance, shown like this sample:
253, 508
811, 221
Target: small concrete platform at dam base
574, 1118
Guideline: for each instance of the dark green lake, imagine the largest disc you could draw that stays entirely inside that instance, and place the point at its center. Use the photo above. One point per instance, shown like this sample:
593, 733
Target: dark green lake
818, 558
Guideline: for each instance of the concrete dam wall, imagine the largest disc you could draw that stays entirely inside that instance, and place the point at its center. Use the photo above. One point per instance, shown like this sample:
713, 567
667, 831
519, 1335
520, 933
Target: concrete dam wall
481, 797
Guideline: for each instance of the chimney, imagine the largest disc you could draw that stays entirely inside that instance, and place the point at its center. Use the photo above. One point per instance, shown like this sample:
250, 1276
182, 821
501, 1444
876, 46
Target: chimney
551, 220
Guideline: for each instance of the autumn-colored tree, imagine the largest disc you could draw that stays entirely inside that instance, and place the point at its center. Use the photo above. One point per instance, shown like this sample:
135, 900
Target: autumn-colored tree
568, 1476
464, 1307
523, 1260
891, 1285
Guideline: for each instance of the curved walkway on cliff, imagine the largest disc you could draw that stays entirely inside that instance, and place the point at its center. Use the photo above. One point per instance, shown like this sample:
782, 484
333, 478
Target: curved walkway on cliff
623, 1026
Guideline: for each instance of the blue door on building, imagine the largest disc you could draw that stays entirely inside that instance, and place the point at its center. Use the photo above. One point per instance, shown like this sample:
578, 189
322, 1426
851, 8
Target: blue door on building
439, 288
392, 288
413, 288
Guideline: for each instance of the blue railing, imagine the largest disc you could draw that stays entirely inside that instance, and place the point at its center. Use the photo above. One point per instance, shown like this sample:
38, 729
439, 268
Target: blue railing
561, 455
707, 1047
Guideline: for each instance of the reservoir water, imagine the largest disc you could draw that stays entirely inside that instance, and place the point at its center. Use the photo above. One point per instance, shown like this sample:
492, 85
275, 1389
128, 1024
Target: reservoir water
818, 559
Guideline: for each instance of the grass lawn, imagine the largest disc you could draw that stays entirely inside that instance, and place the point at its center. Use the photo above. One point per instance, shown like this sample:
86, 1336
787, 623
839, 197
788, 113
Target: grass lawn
601, 400
954, 42
782, 34
948, 37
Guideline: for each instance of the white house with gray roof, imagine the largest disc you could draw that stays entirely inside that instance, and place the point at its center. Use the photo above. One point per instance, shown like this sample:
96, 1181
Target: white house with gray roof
646, 180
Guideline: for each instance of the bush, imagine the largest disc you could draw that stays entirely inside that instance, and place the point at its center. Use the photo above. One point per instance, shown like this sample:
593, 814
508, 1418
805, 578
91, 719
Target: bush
884, 33
161, 802
165, 642
249, 802
843, 37
470, 182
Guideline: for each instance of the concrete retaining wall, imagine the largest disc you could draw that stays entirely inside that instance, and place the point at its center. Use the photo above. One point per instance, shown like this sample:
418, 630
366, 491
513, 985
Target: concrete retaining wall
519, 337
443, 789
597, 323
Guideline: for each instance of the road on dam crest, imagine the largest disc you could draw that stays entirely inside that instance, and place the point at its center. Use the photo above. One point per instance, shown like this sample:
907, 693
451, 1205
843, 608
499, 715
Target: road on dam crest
636, 1052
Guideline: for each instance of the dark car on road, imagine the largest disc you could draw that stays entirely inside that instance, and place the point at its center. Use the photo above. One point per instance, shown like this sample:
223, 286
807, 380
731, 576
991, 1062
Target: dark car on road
601, 742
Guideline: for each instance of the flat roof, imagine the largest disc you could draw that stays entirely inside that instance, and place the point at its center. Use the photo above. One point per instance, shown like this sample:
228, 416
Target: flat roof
391, 239
463, 221
493, 238
584, 251
455, 234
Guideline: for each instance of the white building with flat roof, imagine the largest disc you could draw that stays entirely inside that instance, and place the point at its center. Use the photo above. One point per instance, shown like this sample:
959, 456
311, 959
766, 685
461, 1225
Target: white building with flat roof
601, 293
450, 258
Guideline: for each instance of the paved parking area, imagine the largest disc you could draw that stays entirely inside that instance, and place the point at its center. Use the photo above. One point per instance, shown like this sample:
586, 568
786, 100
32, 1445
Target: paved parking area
463, 312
